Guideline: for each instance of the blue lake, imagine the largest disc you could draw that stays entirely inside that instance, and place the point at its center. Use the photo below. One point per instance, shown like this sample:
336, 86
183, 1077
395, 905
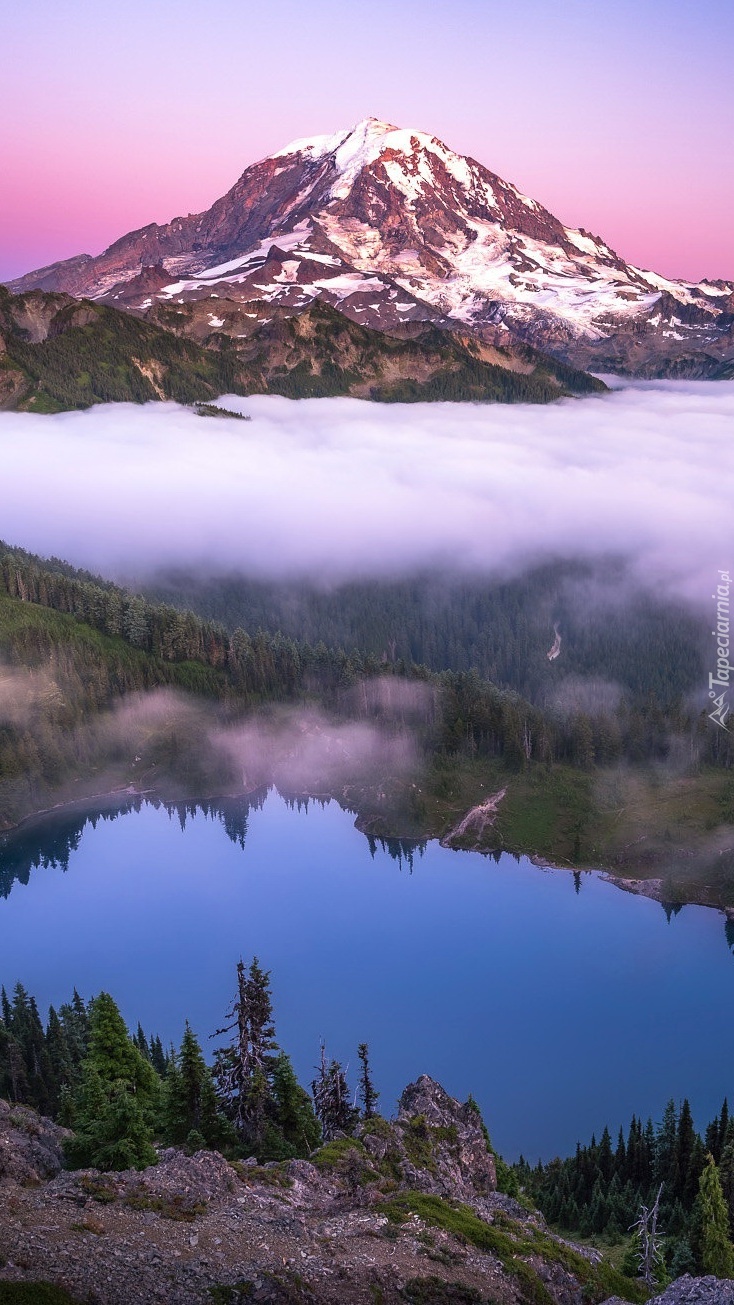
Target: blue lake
559, 1010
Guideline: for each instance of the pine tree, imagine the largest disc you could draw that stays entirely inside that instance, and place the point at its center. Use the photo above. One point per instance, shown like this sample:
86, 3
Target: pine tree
60, 1062
605, 1158
141, 1042
158, 1058
717, 1251
113, 1109
666, 1152
191, 1115
680, 1258
367, 1093
13, 1080
620, 1156
689, 1156
293, 1130
716, 1133
74, 1017
726, 1171
31, 1073
113, 1128
242, 1070
331, 1099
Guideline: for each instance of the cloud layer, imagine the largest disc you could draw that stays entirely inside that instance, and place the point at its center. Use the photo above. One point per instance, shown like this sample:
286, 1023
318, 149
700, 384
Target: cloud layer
339, 488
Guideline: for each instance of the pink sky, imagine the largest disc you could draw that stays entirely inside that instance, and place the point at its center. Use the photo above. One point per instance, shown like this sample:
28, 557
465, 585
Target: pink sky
618, 118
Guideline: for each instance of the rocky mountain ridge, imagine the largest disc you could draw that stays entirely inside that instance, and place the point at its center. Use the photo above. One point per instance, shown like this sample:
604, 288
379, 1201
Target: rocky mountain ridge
407, 1211
391, 227
57, 352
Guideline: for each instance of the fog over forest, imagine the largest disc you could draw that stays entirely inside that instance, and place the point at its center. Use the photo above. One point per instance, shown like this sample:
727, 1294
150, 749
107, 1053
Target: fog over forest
339, 488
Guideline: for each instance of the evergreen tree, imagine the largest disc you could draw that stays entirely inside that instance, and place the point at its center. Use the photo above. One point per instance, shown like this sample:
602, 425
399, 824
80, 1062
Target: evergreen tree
60, 1061
690, 1156
113, 1128
717, 1251
158, 1058
331, 1099
620, 1155
726, 1171
605, 1158
666, 1169
113, 1109
242, 1070
716, 1133
680, 1258
74, 1017
367, 1093
191, 1115
13, 1080
293, 1129
31, 1074
141, 1042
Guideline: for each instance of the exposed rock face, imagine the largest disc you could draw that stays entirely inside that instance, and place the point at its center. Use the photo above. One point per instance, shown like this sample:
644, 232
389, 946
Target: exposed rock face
314, 352
30, 1146
297, 1233
13, 385
692, 1291
698, 1291
392, 227
367, 1219
460, 1164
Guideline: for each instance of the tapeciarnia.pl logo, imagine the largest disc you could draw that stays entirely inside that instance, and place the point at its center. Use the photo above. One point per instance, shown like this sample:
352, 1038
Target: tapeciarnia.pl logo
722, 677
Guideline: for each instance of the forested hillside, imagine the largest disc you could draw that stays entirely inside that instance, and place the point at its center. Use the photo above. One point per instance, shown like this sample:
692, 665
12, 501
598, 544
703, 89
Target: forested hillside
58, 353
502, 628
599, 1192
79, 657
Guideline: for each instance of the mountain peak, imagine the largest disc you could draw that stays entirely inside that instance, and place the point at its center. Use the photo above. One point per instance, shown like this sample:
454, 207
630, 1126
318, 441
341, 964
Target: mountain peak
351, 149
364, 143
393, 227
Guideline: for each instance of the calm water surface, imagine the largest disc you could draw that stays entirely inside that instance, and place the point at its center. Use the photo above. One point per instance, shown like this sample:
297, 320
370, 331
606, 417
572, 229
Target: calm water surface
559, 1010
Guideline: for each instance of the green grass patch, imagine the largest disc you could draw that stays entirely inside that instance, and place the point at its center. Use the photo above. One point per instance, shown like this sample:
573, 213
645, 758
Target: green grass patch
99, 1189
514, 1244
178, 1208
266, 1175
436, 1291
332, 1154
33, 1293
231, 1293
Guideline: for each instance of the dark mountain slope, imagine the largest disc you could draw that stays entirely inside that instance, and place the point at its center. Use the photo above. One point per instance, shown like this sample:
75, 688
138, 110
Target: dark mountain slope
62, 353
58, 353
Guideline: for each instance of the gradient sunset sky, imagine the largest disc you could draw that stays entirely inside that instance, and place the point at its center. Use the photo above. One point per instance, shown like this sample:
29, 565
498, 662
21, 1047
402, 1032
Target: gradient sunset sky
619, 116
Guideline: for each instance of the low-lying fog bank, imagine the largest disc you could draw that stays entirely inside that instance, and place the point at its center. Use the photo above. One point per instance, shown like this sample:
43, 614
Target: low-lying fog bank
333, 488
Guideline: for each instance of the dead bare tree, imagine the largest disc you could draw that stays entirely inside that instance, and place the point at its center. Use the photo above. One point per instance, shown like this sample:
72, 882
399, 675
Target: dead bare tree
650, 1253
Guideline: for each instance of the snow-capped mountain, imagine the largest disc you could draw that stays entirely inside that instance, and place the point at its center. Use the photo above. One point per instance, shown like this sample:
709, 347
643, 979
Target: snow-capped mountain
391, 226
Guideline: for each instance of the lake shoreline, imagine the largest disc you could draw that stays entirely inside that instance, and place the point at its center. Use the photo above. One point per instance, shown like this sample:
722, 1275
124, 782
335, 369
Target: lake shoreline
651, 888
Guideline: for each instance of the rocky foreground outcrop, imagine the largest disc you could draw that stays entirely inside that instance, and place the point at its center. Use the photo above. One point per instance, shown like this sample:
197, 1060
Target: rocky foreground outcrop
692, 1291
408, 1211
30, 1146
